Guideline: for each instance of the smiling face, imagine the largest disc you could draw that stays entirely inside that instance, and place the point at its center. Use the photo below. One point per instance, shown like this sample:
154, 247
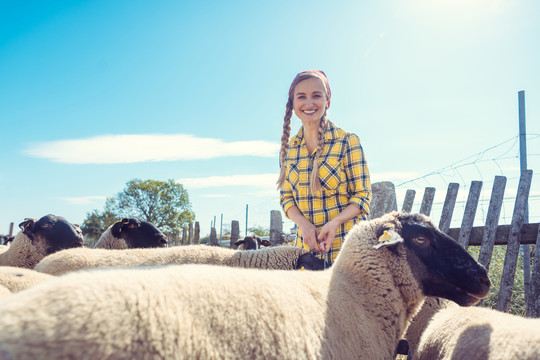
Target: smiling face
310, 100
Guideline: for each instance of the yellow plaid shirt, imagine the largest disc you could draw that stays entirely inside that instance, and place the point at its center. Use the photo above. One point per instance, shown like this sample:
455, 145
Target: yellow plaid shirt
344, 177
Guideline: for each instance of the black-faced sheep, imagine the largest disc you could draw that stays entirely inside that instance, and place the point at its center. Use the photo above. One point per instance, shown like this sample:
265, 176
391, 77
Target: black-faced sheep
479, 334
131, 233
252, 242
39, 238
356, 309
276, 257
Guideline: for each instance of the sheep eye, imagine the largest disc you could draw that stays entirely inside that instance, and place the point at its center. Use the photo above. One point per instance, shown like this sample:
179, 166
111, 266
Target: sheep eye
46, 225
420, 240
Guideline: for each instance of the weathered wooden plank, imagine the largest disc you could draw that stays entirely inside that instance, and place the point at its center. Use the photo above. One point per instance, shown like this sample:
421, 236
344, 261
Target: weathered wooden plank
427, 201
408, 201
469, 214
448, 207
190, 233
235, 233
498, 237
276, 227
533, 302
489, 235
184, 236
196, 233
512, 249
383, 200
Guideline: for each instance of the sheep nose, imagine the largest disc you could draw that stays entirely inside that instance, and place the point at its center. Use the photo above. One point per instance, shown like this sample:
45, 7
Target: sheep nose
163, 242
485, 280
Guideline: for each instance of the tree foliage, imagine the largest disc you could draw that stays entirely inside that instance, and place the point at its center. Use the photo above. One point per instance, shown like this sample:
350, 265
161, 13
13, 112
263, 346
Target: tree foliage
259, 230
164, 203
95, 224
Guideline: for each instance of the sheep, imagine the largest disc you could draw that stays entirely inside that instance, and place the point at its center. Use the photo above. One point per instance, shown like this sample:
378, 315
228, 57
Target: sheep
39, 238
131, 233
419, 323
253, 242
479, 333
356, 309
4, 291
16, 278
278, 257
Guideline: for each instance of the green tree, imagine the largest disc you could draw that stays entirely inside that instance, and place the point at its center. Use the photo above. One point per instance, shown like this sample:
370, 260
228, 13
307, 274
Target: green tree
259, 230
95, 224
163, 203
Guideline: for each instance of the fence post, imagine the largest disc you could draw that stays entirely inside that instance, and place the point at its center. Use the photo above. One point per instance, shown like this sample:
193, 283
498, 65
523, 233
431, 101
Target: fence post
276, 227
190, 233
533, 303
492, 221
235, 233
408, 201
197, 233
467, 221
213, 237
383, 199
427, 201
176, 236
512, 249
184, 235
448, 207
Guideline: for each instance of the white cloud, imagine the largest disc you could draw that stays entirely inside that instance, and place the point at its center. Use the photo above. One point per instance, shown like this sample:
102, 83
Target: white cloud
83, 200
117, 149
255, 180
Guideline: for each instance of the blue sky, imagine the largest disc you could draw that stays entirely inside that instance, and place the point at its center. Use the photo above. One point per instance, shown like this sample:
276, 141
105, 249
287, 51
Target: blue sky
95, 93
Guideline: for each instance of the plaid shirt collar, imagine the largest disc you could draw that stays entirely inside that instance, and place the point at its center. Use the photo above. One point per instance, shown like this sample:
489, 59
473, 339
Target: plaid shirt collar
330, 135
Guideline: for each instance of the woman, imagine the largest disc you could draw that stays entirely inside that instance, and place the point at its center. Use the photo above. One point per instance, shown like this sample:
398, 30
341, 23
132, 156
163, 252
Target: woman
324, 179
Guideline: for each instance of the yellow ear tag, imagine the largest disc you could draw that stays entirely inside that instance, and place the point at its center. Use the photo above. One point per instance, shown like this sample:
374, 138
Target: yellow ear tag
385, 237
302, 268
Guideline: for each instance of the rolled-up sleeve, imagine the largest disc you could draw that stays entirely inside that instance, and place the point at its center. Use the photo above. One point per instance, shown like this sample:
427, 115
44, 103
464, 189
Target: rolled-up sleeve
357, 172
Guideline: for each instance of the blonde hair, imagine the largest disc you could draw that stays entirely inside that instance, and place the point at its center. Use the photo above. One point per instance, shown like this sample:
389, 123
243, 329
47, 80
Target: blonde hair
314, 181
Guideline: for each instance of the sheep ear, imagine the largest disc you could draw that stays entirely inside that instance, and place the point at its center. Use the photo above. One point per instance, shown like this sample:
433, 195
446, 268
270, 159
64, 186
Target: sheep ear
388, 238
239, 242
116, 229
266, 243
27, 227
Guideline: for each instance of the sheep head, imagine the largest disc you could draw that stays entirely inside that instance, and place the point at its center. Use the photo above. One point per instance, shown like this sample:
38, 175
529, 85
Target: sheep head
440, 265
138, 233
52, 233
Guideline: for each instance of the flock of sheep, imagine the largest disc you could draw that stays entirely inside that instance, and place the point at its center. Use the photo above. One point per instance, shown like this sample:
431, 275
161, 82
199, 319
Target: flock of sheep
132, 297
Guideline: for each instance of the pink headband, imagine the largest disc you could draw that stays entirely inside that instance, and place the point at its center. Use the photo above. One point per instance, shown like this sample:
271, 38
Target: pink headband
316, 73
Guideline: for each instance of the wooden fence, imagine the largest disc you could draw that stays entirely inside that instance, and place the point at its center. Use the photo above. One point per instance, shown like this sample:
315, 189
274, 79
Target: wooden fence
513, 236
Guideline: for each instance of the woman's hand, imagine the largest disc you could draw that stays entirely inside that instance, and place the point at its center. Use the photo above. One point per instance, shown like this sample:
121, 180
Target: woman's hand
327, 235
310, 235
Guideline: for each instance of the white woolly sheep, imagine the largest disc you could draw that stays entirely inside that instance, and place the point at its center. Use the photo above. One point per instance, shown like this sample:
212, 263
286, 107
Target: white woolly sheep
16, 278
4, 291
479, 334
419, 323
131, 233
39, 238
252, 242
278, 257
356, 309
